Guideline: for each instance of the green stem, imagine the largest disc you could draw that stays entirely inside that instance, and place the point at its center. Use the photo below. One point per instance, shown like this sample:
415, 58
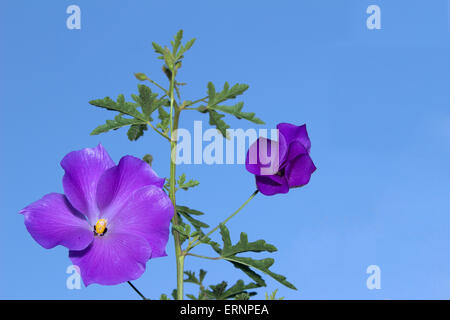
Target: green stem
195, 102
174, 119
159, 132
223, 222
203, 257
158, 85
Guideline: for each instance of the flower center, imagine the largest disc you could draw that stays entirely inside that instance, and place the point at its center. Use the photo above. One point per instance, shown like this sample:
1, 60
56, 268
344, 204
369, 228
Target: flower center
100, 227
280, 173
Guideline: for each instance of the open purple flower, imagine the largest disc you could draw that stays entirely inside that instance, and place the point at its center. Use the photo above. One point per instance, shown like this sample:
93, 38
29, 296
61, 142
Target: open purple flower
283, 164
113, 219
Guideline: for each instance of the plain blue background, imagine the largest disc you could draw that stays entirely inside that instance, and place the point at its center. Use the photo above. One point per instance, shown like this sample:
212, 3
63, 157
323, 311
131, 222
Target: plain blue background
376, 103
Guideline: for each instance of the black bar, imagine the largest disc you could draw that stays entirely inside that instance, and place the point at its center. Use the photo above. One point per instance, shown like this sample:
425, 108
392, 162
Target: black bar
233, 310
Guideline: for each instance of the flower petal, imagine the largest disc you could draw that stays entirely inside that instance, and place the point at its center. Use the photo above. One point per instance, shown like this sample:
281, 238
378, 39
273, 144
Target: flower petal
112, 259
265, 156
270, 185
298, 171
147, 214
295, 133
52, 221
295, 149
83, 170
119, 182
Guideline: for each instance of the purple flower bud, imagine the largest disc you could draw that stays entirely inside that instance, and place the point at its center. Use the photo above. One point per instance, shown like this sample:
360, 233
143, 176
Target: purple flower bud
283, 164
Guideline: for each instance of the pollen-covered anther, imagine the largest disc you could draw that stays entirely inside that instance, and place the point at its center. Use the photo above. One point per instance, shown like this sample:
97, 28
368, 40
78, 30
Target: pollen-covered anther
100, 227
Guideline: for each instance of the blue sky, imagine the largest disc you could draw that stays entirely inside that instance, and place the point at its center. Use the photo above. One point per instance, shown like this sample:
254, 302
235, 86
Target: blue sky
376, 103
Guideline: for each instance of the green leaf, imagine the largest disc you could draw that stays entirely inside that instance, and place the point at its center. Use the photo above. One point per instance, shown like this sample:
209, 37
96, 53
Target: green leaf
164, 118
169, 58
172, 58
136, 131
243, 296
236, 110
121, 105
167, 72
187, 210
184, 230
215, 119
238, 288
186, 47
165, 54
216, 291
243, 245
177, 41
225, 94
190, 184
158, 48
229, 252
216, 98
211, 92
187, 213
191, 277
182, 184
181, 179
250, 273
147, 100
115, 124
272, 296
183, 225
202, 275
220, 291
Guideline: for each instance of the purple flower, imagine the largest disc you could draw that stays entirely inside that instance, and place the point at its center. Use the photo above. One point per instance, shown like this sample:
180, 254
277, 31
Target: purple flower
283, 164
113, 219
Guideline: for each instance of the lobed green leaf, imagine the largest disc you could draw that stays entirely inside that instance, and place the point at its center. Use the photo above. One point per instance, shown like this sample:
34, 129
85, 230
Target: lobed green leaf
220, 291
121, 106
136, 131
229, 252
187, 214
118, 122
182, 184
236, 110
215, 119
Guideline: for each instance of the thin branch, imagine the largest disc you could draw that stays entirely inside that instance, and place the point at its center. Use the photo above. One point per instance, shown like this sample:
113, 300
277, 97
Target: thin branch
161, 133
137, 291
224, 222
203, 257
159, 86
192, 103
